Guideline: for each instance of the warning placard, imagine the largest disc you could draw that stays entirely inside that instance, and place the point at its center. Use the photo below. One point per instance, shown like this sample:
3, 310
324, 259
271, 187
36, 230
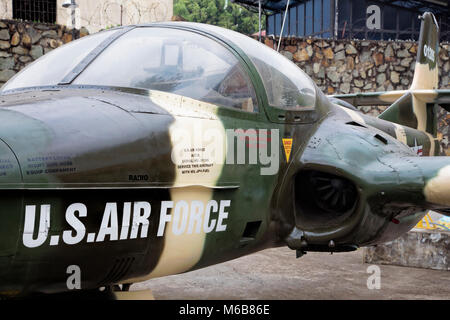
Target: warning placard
287, 144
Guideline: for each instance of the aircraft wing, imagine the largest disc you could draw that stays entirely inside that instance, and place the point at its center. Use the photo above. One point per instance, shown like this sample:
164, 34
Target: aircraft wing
441, 97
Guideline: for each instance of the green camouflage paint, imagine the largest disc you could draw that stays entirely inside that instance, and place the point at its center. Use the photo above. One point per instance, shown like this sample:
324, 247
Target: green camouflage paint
100, 161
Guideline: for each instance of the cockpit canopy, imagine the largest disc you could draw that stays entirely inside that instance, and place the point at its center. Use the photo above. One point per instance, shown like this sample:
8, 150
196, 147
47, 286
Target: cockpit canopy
178, 60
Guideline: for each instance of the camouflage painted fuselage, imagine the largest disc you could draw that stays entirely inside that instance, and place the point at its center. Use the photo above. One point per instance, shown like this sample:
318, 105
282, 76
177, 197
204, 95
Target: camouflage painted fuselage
107, 152
100, 178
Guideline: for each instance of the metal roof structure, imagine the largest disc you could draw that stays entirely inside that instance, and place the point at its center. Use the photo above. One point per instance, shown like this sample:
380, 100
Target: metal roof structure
274, 6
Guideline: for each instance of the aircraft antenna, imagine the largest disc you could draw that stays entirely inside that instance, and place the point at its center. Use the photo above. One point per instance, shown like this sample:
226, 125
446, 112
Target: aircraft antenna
259, 7
282, 27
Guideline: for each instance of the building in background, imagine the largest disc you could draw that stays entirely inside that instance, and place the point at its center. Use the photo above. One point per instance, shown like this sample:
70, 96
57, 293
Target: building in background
352, 19
93, 15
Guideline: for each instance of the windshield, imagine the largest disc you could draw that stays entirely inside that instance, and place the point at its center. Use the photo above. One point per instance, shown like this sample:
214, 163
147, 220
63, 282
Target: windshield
175, 61
154, 58
51, 68
287, 86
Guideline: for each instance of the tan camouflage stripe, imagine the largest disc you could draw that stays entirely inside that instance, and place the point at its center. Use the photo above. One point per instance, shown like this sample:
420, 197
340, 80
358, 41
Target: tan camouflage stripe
182, 252
424, 77
420, 111
355, 116
400, 134
432, 144
437, 189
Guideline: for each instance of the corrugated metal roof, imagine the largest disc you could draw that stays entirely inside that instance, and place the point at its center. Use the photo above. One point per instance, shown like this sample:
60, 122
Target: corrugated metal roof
436, 6
272, 5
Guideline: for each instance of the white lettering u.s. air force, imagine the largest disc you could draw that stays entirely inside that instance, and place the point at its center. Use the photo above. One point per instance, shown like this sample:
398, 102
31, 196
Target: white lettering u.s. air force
187, 217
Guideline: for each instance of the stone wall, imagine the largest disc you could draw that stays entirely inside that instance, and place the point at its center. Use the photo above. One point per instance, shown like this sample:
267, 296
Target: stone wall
21, 43
429, 249
100, 14
341, 66
356, 66
346, 66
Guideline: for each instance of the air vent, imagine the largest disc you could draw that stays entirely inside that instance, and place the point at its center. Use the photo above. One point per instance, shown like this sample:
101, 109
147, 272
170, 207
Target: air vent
250, 232
381, 138
356, 124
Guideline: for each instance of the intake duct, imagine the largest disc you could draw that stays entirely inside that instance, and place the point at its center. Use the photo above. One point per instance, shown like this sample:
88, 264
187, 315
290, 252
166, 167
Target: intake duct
323, 198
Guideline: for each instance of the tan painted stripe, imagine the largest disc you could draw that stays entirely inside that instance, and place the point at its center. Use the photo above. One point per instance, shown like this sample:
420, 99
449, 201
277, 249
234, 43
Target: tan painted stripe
432, 144
420, 111
392, 96
134, 295
182, 252
427, 96
437, 189
400, 133
354, 115
424, 78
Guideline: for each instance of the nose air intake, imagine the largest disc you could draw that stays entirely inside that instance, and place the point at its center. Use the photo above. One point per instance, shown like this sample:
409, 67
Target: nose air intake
323, 197
334, 194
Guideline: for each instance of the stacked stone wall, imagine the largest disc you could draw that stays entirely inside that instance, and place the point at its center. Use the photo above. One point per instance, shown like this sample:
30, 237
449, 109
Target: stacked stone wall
337, 66
22, 42
346, 66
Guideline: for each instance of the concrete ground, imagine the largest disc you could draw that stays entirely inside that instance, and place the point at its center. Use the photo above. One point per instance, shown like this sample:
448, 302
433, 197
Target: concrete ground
276, 274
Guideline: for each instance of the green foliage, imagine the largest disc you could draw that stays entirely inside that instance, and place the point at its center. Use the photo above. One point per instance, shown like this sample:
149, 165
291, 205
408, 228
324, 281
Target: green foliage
234, 17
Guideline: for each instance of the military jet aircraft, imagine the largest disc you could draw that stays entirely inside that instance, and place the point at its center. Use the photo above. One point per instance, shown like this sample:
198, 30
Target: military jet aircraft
151, 150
